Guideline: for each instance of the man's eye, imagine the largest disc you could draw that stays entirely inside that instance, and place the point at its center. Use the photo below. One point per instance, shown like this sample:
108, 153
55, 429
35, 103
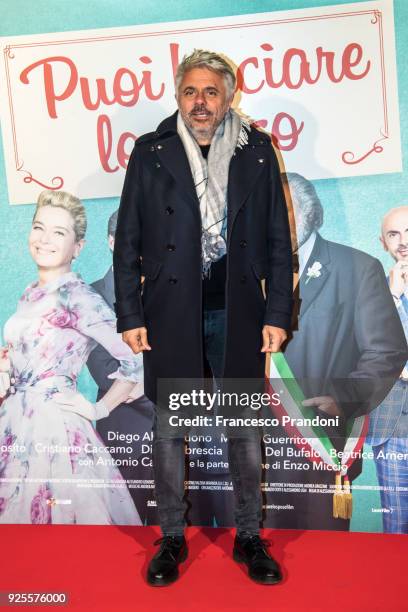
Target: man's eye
59, 233
36, 227
212, 93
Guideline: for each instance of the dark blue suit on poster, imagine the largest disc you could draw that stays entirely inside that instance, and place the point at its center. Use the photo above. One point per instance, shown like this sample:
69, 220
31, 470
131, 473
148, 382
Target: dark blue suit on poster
347, 342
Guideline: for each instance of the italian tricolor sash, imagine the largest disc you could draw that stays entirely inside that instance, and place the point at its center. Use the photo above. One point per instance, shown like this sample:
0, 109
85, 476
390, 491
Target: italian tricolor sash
313, 438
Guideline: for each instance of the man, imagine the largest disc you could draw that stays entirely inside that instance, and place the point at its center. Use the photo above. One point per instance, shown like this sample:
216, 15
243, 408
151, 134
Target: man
134, 418
388, 433
346, 350
203, 218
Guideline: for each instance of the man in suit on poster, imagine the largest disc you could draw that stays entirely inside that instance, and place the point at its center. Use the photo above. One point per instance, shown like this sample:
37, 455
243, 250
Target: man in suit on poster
346, 349
135, 417
203, 218
388, 432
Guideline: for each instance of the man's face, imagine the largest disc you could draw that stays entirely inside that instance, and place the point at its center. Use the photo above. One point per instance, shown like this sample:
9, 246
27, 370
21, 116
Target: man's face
394, 236
203, 101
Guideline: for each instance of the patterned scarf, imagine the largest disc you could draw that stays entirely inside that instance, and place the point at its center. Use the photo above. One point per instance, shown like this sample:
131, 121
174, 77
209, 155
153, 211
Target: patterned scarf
211, 181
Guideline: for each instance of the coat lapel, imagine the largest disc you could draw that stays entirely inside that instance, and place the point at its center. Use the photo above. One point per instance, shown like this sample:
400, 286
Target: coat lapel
245, 167
310, 289
172, 155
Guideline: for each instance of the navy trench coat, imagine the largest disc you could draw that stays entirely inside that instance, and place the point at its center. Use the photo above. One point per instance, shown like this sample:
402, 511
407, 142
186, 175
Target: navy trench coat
158, 236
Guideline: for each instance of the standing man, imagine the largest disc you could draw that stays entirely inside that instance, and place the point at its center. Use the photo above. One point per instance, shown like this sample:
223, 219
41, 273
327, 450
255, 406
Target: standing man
204, 219
133, 418
388, 432
346, 350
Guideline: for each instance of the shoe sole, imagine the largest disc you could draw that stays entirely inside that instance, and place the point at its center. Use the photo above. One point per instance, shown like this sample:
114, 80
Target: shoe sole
267, 581
161, 582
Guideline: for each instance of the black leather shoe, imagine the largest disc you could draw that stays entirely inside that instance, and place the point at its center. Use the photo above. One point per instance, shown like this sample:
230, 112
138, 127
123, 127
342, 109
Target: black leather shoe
252, 551
163, 568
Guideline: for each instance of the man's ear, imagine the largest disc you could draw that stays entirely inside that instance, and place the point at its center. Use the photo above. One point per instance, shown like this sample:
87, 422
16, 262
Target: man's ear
111, 242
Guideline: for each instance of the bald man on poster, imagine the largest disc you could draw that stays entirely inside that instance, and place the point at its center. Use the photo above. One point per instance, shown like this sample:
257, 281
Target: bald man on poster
388, 432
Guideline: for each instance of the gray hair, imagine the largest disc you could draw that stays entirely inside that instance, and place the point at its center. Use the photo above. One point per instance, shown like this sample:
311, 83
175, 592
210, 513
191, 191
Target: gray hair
112, 223
201, 58
306, 198
62, 199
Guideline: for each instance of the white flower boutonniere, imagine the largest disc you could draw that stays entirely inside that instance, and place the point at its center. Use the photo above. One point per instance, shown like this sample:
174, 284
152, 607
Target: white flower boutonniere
313, 271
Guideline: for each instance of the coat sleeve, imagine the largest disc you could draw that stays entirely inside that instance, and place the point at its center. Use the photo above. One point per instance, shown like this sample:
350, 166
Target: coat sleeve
279, 283
127, 249
382, 345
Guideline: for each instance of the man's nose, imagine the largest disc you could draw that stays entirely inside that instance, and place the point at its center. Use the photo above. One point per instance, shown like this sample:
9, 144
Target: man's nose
199, 98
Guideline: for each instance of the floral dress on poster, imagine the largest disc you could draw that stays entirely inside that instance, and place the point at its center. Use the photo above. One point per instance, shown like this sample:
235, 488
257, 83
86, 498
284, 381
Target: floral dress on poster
54, 468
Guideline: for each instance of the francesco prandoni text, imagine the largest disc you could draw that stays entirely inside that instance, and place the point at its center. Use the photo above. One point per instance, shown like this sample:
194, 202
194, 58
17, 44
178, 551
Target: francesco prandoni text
254, 401
221, 421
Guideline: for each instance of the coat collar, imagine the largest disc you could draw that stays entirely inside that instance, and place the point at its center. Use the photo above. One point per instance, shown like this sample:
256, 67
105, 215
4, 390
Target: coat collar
246, 165
168, 126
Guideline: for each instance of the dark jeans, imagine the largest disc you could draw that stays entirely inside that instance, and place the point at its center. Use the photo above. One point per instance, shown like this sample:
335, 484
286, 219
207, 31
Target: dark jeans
244, 457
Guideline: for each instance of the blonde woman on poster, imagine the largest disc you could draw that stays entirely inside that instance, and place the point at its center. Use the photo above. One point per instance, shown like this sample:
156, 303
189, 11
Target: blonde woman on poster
54, 468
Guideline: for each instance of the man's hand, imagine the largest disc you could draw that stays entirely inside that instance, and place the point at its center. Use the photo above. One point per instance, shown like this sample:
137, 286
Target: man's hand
273, 337
399, 278
137, 339
325, 403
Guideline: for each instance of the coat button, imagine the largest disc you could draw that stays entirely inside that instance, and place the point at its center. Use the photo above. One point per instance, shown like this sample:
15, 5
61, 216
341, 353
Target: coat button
158, 164
243, 244
171, 247
172, 280
243, 279
151, 148
169, 210
261, 160
159, 147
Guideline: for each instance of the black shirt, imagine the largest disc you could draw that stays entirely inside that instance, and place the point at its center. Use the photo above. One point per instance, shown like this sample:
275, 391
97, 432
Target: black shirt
214, 287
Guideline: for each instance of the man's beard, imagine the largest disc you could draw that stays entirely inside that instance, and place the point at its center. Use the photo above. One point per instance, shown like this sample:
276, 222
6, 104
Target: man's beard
204, 133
